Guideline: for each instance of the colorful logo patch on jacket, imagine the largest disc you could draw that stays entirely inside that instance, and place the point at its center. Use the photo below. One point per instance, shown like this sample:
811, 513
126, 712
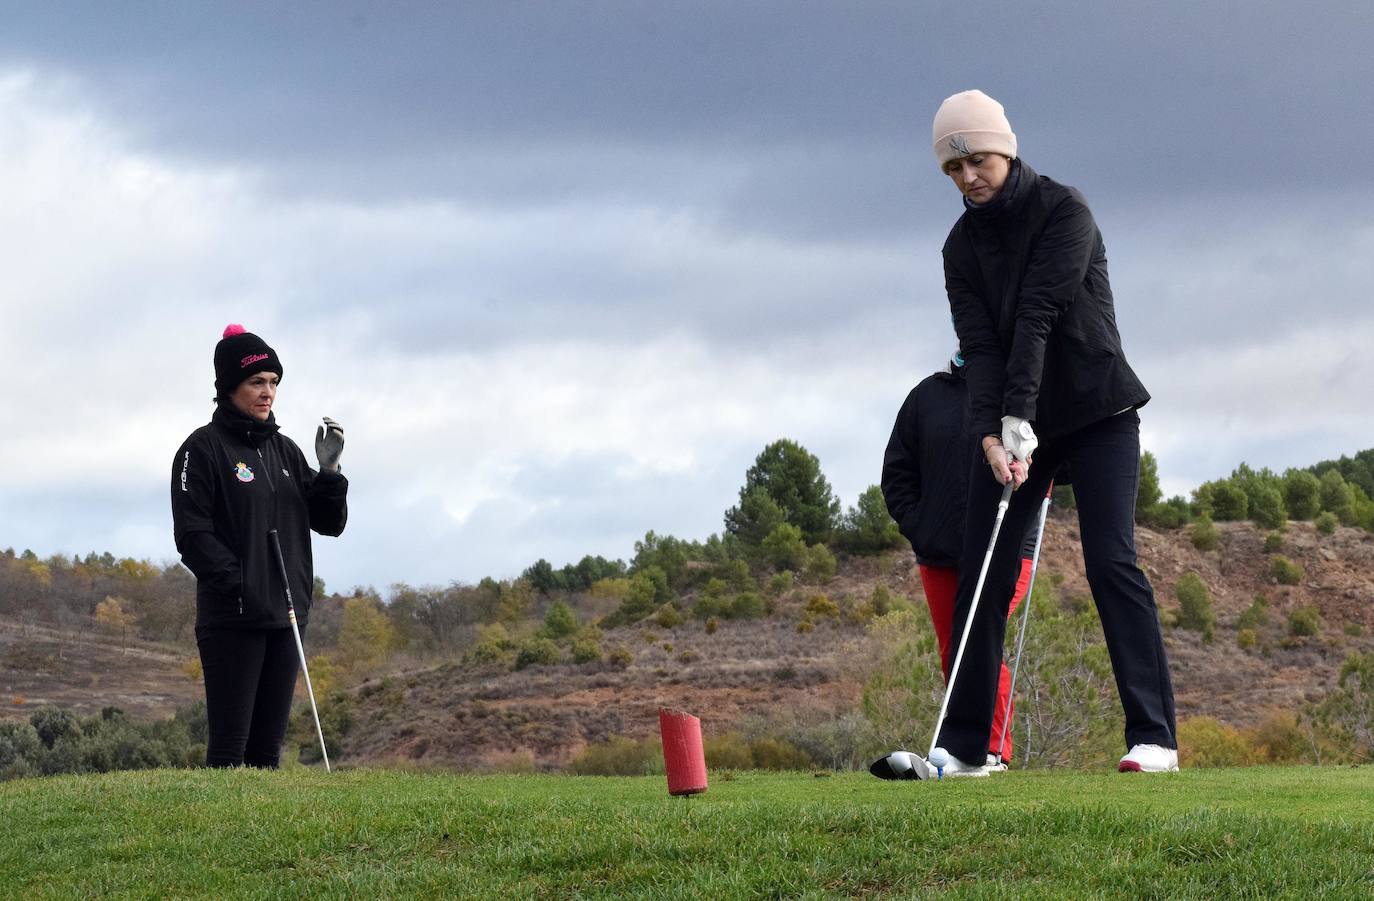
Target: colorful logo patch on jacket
242, 472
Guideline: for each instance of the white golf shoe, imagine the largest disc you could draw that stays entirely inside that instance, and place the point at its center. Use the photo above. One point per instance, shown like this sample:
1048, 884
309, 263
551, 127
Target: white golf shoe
957, 768
1149, 759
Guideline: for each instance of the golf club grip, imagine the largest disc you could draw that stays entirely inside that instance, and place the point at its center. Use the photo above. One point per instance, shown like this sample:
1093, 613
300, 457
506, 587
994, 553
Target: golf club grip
281, 566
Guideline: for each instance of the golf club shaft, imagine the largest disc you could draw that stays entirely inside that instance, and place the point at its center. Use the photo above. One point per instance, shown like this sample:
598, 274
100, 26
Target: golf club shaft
300, 648
1025, 616
1002, 505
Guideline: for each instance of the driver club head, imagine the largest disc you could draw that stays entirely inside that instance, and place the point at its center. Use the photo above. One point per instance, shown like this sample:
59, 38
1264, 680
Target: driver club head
901, 765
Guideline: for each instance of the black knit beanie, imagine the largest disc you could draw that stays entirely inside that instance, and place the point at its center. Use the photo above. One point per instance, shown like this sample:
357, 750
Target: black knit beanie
238, 355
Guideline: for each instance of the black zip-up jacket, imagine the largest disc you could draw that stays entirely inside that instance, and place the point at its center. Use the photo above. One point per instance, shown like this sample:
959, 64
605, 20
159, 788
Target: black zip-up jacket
926, 465
1027, 281
232, 481
926, 468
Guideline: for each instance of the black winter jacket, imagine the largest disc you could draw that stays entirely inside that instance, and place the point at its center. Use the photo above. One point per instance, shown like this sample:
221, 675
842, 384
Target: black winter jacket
926, 469
232, 481
926, 466
1027, 281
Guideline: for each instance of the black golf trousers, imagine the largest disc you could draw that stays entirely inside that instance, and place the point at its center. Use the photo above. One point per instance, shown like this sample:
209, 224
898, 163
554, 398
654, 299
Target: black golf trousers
1104, 464
250, 679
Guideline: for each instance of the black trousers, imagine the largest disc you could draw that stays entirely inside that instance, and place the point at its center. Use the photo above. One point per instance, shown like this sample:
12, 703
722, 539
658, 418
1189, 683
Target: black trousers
1104, 461
250, 679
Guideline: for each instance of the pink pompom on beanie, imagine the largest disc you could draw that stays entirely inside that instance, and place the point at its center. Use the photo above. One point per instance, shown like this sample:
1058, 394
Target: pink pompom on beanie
972, 122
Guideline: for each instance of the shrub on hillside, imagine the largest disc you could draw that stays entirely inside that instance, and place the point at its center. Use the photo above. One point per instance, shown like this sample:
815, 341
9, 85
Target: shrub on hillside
784, 548
620, 657
1205, 535
586, 650
1326, 523
1336, 494
1257, 614
1229, 502
1349, 710
494, 645
560, 621
773, 752
781, 583
712, 601
728, 752
1273, 542
1302, 493
712, 625
1267, 508
641, 599
1195, 605
780, 756
619, 756
819, 605
1246, 639
1206, 742
754, 519
613, 588
57, 741
881, 601
667, 616
1285, 571
1282, 738
747, 605
536, 652
1171, 514
820, 564
868, 528
1304, 622
20, 749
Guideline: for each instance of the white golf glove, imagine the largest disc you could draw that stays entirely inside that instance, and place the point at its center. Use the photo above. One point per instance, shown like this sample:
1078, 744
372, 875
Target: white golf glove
329, 445
1018, 438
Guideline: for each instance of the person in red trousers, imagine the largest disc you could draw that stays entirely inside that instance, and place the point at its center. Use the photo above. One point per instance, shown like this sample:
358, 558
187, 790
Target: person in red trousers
925, 484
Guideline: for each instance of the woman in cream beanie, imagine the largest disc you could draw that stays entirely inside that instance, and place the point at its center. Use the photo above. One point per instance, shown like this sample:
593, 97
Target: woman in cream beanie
1026, 275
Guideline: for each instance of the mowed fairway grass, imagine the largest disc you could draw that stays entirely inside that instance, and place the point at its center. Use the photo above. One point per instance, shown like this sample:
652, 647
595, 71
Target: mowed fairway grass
1251, 833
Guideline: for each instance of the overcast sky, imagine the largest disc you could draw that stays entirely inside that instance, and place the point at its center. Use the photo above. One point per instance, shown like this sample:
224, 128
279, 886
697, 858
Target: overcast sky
562, 269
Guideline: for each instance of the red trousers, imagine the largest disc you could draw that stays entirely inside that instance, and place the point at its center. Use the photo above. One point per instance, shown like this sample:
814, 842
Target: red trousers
941, 584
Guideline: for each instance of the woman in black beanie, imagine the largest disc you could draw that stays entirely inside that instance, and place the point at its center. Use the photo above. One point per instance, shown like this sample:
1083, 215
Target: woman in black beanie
233, 481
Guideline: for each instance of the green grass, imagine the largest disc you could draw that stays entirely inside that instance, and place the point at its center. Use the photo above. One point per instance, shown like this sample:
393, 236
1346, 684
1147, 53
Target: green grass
1253, 833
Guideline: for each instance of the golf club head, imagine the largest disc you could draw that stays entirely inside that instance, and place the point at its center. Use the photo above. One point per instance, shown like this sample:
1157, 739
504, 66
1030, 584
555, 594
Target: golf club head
901, 765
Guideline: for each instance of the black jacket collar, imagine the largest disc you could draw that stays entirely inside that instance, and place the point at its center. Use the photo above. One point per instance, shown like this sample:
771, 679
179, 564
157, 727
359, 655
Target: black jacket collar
1019, 184
242, 426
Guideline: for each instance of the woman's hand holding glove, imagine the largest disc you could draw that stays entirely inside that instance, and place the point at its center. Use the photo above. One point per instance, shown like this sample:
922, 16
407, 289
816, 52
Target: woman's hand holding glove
329, 445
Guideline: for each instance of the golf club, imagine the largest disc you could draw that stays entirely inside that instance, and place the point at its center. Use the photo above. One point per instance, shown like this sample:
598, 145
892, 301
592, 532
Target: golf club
300, 648
904, 764
1025, 615
1002, 505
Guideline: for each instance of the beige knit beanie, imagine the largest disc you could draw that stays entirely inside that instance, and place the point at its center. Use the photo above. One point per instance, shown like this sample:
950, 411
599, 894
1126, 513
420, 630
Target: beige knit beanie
972, 122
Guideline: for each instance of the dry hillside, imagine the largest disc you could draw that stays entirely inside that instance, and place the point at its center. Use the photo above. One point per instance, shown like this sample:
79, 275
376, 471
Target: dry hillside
472, 716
